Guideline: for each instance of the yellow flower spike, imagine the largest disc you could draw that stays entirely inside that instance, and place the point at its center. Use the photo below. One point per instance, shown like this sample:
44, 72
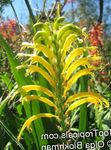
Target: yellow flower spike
28, 88
80, 102
35, 117
85, 95
39, 98
76, 76
34, 68
75, 64
46, 64
46, 51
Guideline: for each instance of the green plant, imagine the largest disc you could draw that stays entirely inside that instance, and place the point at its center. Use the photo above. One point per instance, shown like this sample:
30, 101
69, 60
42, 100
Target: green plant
21, 80
59, 53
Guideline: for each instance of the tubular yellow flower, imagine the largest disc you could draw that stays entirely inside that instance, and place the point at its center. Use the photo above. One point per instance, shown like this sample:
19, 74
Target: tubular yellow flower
28, 88
40, 34
35, 117
65, 35
75, 64
45, 51
75, 53
24, 55
46, 64
85, 95
71, 57
40, 98
80, 102
76, 76
34, 68
67, 44
67, 27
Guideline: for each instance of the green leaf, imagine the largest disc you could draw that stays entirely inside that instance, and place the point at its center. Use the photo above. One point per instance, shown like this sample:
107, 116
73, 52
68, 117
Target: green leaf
11, 135
19, 75
3, 105
21, 80
7, 81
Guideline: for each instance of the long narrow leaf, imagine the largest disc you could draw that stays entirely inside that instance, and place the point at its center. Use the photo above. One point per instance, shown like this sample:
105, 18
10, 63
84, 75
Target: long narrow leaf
11, 135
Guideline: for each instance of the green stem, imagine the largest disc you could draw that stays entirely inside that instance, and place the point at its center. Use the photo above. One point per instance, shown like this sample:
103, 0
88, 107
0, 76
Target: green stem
60, 93
83, 122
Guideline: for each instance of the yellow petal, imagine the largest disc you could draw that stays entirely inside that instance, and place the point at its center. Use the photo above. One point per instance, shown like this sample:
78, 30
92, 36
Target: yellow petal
45, 64
39, 98
45, 50
28, 88
65, 35
40, 34
42, 25
35, 117
80, 102
76, 76
67, 27
69, 40
67, 44
57, 22
85, 95
74, 53
34, 68
75, 64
